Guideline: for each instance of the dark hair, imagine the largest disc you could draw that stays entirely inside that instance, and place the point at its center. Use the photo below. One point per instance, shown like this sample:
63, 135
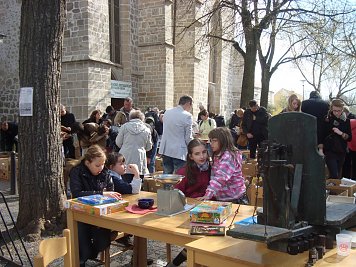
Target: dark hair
112, 158
224, 137
203, 113
190, 164
93, 115
128, 99
109, 109
108, 121
314, 94
252, 103
185, 99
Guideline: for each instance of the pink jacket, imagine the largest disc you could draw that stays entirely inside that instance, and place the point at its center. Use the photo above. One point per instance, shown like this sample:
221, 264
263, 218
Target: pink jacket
226, 181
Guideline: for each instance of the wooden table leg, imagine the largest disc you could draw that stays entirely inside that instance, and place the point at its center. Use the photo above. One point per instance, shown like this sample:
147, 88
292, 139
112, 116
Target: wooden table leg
191, 259
74, 246
169, 252
140, 252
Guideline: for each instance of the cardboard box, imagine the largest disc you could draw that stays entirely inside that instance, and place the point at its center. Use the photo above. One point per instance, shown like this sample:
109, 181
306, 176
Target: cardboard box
150, 185
251, 194
351, 189
159, 164
214, 212
5, 167
96, 210
249, 169
341, 199
338, 192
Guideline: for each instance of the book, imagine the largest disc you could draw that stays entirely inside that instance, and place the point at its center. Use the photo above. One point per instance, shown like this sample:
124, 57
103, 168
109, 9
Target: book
96, 200
103, 209
211, 230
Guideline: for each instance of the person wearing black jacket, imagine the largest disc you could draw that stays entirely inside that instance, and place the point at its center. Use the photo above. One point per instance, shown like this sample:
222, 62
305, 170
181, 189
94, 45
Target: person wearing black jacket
67, 121
90, 178
254, 124
336, 132
8, 135
151, 154
317, 107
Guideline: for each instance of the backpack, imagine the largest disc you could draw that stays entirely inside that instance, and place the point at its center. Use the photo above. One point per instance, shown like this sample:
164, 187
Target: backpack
111, 141
220, 121
201, 121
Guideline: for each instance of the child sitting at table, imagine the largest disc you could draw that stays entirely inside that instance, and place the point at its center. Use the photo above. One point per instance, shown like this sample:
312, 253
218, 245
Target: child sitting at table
115, 162
226, 180
196, 173
89, 178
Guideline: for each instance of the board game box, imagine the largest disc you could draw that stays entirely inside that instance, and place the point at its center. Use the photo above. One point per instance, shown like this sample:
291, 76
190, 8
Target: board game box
96, 199
103, 209
213, 212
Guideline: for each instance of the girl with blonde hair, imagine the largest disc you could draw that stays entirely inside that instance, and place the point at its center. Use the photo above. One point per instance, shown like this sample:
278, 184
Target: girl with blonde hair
294, 104
90, 177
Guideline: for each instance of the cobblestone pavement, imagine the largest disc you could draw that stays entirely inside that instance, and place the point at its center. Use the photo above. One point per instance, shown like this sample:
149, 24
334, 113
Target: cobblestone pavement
155, 250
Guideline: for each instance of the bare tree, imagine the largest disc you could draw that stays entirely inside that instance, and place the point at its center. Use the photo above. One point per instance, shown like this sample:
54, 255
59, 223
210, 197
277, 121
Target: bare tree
345, 40
330, 65
255, 18
257, 26
41, 187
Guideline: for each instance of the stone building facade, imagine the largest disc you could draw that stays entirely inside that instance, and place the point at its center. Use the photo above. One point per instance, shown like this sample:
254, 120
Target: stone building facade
140, 47
10, 14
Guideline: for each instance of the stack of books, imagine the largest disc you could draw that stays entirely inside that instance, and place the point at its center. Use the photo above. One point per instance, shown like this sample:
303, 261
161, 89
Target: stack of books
208, 218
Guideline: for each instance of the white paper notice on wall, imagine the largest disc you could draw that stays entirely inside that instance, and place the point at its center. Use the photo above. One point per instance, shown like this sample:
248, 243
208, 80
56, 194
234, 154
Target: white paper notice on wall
26, 101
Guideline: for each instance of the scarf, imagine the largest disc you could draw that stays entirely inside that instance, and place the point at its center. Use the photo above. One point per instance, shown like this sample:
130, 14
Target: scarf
204, 166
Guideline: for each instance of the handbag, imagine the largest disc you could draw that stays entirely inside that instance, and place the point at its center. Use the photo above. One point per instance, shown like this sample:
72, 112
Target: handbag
242, 140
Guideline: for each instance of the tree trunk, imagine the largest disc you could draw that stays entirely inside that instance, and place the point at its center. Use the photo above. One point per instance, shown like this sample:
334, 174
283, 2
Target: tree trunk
252, 36
41, 187
248, 80
265, 82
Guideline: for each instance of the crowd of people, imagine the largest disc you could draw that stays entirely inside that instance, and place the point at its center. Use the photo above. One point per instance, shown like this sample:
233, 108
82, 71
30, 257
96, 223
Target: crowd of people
126, 141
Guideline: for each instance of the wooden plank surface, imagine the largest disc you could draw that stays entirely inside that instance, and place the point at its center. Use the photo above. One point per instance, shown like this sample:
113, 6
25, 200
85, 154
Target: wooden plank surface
227, 251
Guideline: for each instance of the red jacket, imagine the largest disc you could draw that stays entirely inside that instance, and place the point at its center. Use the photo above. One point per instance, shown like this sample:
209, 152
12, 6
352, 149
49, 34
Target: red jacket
197, 189
352, 143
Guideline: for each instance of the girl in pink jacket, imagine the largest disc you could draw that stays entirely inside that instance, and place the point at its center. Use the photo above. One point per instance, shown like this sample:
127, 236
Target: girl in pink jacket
226, 180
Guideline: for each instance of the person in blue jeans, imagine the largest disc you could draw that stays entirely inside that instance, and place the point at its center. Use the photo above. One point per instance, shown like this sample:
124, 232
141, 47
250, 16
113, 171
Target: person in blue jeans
177, 133
151, 154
